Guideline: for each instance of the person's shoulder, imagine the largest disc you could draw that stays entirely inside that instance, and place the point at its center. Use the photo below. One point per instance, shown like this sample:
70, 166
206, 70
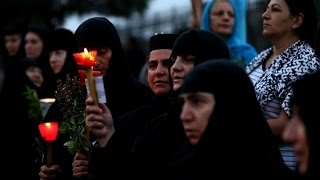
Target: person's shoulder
143, 89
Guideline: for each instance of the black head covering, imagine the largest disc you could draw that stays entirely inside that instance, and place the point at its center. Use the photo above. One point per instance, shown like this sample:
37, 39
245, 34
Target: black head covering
14, 28
305, 93
161, 41
43, 59
202, 44
99, 32
96, 33
63, 39
120, 86
43, 33
25, 63
60, 39
236, 118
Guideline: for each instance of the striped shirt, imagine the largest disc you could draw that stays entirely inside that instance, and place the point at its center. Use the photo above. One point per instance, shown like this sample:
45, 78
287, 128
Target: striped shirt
272, 110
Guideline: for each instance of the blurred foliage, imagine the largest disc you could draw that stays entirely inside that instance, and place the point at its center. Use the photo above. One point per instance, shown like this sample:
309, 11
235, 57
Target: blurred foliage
53, 12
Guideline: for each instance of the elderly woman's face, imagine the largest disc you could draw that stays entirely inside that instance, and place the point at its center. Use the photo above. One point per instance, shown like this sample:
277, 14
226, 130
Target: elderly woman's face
222, 18
277, 20
196, 111
158, 71
103, 59
295, 134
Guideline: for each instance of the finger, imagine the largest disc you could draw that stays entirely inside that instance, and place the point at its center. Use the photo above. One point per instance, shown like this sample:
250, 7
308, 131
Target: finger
44, 169
80, 174
89, 101
92, 109
79, 171
43, 175
80, 163
80, 156
104, 108
95, 120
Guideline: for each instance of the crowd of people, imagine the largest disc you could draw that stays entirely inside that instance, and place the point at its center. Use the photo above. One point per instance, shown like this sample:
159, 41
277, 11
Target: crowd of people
207, 104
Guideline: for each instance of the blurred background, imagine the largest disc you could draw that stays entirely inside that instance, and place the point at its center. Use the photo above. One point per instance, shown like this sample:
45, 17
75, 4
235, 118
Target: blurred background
138, 19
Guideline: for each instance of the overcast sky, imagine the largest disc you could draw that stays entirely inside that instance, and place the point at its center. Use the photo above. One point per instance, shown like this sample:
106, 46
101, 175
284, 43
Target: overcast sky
74, 21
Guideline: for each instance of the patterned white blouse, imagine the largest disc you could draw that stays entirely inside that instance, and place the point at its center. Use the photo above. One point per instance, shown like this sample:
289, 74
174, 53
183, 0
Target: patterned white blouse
273, 85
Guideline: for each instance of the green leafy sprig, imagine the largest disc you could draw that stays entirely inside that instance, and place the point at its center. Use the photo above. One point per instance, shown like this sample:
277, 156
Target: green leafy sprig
34, 109
35, 115
71, 100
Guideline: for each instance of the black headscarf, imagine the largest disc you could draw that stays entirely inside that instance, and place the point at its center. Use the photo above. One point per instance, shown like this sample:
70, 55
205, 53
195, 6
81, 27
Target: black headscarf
305, 95
161, 41
64, 39
202, 44
123, 92
97, 33
237, 138
14, 28
60, 39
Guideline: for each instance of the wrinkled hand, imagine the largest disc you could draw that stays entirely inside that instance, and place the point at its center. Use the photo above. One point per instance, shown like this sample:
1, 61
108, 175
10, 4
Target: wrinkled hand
49, 172
80, 165
99, 121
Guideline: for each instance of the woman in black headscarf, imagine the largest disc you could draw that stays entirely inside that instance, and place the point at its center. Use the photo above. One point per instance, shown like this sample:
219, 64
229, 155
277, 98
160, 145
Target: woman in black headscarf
157, 144
62, 45
123, 93
25, 127
303, 131
223, 134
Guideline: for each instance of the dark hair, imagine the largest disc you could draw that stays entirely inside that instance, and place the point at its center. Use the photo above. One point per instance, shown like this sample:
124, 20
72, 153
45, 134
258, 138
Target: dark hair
317, 40
307, 30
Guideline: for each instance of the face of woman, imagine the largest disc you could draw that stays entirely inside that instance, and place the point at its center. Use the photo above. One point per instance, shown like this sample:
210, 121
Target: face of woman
277, 20
57, 60
12, 43
222, 18
181, 67
158, 71
196, 111
103, 59
35, 75
33, 45
295, 134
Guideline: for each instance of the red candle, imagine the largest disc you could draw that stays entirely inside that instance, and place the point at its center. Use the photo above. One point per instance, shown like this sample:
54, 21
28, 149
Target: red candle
49, 131
86, 59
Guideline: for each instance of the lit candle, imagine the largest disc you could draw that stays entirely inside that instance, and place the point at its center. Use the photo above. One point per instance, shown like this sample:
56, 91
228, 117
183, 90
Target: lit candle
45, 105
86, 59
83, 75
49, 131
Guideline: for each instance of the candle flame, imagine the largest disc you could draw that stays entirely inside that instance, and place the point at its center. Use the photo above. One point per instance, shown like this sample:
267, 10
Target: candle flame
86, 54
47, 100
86, 58
47, 124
